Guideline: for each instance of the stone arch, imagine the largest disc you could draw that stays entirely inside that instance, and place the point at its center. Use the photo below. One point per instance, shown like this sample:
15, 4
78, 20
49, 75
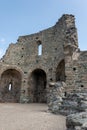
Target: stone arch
11, 67
60, 71
10, 85
38, 82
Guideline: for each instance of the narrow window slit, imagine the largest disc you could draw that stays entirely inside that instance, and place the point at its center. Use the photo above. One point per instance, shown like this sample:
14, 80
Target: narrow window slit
39, 49
10, 87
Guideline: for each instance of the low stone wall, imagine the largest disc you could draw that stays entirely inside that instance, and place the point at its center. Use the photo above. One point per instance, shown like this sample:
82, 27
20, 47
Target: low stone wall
72, 104
55, 96
77, 121
66, 103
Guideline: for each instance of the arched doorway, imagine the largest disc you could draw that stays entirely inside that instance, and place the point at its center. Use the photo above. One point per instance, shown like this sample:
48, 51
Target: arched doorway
60, 71
10, 86
38, 86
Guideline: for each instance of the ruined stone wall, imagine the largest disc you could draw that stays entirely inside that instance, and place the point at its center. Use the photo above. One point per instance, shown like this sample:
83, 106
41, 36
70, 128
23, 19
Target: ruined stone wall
82, 62
70, 47
79, 69
58, 44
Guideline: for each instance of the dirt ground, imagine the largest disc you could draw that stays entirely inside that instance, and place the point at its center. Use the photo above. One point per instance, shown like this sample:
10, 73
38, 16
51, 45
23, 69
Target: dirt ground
15, 116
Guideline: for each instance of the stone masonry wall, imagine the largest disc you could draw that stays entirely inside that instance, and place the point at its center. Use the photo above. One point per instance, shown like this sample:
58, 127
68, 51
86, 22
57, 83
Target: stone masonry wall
58, 43
58, 76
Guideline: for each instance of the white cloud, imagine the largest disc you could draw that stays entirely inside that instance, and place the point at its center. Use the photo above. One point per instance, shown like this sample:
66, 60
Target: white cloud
2, 40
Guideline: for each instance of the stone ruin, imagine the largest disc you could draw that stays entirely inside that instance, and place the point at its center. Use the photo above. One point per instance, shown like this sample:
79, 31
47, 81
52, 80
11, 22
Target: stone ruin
48, 67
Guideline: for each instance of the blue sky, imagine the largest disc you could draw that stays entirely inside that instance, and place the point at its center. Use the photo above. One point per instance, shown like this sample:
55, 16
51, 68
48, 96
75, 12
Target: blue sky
23, 17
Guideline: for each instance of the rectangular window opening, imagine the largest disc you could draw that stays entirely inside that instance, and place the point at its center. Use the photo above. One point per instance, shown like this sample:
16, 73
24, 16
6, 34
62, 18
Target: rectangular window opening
39, 49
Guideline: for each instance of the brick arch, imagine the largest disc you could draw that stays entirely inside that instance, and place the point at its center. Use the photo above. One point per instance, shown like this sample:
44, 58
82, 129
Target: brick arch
37, 85
11, 67
10, 85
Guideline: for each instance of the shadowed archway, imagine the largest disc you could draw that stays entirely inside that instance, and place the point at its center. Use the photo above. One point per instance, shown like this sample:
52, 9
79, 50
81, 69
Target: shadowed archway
38, 86
60, 71
10, 86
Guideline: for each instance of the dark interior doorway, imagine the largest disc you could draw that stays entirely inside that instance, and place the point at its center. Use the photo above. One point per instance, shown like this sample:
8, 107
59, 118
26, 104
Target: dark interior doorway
60, 71
38, 86
10, 86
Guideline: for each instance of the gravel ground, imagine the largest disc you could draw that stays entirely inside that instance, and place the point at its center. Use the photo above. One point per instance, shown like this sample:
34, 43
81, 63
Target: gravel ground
15, 116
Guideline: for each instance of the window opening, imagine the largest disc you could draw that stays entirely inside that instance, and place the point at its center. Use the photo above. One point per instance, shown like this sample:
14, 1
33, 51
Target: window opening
40, 49
10, 87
